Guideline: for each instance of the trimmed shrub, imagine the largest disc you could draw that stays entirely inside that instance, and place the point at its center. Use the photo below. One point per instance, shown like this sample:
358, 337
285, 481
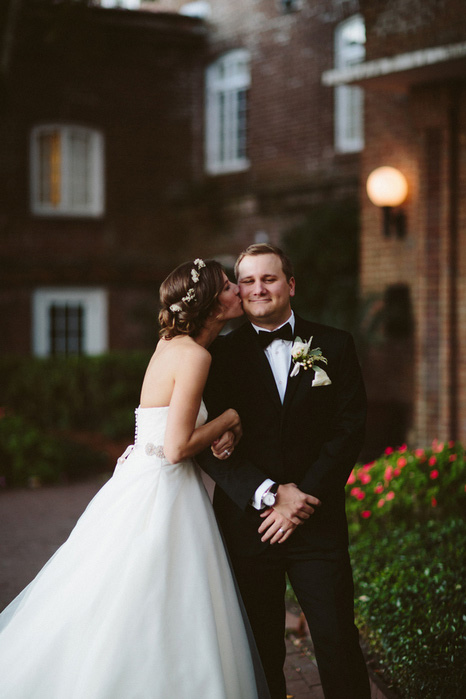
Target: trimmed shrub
75, 393
411, 606
28, 456
44, 398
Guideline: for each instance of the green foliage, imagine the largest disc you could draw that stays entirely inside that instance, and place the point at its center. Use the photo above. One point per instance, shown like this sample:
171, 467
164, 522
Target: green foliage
406, 518
411, 605
28, 455
407, 486
75, 393
324, 250
43, 398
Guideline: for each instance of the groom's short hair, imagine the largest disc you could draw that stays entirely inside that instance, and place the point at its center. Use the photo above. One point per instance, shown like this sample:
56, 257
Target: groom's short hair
267, 249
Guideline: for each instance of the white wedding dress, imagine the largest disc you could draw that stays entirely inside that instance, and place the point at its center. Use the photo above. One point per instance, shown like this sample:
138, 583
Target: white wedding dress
139, 602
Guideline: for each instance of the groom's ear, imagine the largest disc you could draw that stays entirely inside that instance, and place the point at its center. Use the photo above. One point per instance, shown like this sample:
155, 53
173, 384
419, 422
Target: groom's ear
292, 285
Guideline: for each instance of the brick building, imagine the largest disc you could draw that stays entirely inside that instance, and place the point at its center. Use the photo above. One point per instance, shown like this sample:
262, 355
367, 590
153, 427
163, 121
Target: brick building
202, 127
100, 111
414, 79
134, 139
291, 155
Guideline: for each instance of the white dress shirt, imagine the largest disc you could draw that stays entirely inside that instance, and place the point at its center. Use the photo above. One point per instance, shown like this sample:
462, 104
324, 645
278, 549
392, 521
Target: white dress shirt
279, 355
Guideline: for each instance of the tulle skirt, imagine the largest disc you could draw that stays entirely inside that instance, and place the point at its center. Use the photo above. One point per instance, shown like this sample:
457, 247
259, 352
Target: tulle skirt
138, 603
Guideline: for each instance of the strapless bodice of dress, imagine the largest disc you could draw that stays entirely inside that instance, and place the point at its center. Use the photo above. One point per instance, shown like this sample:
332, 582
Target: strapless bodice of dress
150, 426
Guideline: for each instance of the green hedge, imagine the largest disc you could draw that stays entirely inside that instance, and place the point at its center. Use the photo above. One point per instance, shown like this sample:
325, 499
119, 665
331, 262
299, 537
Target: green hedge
29, 457
44, 400
75, 393
406, 514
410, 588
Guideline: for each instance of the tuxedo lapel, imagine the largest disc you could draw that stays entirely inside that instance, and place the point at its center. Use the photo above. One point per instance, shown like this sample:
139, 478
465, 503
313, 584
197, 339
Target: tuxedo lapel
303, 377
253, 356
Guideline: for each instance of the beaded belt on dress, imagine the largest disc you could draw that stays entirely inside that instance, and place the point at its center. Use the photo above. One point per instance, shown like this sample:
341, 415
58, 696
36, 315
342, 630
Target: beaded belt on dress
150, 449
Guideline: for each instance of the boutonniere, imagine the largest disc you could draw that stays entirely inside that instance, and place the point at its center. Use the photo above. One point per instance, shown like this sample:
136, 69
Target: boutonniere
303, 356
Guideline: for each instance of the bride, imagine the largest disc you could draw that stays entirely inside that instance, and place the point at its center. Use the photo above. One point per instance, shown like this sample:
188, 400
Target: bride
139, 602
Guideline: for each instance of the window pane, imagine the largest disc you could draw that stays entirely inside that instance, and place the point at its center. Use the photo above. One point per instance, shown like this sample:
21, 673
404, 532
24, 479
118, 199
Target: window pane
242, 124
67, 171
226, 112
350, 37
49, 168
79, 168
66, 323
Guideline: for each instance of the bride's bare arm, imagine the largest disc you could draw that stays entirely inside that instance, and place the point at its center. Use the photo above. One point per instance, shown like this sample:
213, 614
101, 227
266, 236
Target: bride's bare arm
182, 438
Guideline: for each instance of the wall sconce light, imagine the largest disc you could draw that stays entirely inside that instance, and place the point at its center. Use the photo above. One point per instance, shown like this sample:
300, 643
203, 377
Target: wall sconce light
387, 187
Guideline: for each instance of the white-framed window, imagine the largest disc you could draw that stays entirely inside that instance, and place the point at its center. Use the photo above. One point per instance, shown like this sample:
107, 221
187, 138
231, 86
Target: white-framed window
350, 49
123, 4
227, 85
69, 321
67, 171
197, 8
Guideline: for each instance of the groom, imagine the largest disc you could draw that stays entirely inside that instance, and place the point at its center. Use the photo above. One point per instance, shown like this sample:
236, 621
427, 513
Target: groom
281, 495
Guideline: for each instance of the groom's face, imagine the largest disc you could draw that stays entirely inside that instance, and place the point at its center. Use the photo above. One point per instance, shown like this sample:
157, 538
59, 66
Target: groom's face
265, 290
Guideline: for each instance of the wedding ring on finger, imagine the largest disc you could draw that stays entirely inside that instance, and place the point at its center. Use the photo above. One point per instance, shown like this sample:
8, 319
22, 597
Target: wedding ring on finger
228, 453
282, 531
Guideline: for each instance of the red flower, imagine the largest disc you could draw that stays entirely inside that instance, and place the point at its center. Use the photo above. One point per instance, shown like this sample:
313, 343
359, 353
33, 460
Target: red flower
403, 448
366, 514
451, 444
397, 472
432, 461
355, 491
402, 462
390, 495
434, 474
367, 467
389, 450
388, 473
361, 495
352, 478
381, 503
452, 457
419, 453
365, 478
379, 488
433, 502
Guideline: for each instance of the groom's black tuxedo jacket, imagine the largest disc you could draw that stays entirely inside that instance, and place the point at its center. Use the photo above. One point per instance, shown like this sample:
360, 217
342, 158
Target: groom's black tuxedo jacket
312, 439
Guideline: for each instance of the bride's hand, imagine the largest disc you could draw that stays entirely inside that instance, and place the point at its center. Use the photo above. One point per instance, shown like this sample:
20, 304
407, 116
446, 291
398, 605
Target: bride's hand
223, 447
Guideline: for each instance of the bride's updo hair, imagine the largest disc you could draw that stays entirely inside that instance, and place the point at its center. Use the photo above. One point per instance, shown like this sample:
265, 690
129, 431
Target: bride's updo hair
187, 296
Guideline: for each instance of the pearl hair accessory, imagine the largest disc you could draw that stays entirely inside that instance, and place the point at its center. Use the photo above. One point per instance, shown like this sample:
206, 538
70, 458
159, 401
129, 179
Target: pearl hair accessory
190, 295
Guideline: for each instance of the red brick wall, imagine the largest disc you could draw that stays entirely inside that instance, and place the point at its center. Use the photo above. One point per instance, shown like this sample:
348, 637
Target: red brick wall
412, 131
139, 81
400, 26
293, 161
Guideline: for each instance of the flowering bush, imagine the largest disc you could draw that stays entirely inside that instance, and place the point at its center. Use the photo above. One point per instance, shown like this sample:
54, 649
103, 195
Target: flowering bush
406, 486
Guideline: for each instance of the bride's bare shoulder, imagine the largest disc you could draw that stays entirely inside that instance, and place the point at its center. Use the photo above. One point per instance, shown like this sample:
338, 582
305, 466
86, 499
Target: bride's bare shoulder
180, 348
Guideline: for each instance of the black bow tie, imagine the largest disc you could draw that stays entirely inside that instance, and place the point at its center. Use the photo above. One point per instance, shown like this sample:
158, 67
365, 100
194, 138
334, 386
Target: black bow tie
283, 333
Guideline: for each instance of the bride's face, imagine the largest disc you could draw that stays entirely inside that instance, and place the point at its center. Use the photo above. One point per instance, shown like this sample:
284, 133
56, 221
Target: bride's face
229, 300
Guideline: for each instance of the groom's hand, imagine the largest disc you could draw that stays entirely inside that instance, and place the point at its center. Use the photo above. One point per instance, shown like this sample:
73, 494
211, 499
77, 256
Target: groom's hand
275, 528
293, 504
292, 507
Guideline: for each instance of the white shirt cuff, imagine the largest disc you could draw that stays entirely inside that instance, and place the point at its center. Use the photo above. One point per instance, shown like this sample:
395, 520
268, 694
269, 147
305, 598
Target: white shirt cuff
256, 501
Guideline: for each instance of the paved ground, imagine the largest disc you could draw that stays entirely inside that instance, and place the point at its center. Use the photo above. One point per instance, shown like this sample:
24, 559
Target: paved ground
33, 523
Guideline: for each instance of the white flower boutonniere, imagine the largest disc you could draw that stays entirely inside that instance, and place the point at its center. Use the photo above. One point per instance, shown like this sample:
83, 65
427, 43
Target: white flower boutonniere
303, 356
